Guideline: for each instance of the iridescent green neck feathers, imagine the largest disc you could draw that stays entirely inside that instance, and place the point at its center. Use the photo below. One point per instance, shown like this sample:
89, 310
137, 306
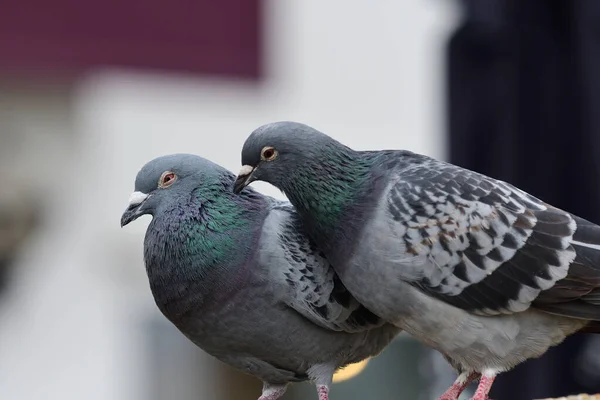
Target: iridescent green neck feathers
324, 189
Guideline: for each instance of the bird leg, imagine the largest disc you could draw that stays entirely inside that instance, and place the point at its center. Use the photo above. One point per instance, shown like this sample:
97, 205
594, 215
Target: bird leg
322, 375
323, 391
272, 392
459, 385
485, 385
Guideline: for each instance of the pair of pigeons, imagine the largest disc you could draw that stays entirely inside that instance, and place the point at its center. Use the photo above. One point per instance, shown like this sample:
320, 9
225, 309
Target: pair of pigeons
373, 242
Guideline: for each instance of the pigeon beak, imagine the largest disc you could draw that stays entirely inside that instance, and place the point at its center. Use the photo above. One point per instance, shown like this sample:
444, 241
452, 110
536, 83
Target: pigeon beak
244, 178
133, 211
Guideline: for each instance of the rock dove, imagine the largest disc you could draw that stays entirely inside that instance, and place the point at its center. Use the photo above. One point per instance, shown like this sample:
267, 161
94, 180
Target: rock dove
239, 278
474, 267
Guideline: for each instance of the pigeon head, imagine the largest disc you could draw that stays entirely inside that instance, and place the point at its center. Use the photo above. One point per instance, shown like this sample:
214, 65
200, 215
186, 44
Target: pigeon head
164, 180
320, 176
274, 152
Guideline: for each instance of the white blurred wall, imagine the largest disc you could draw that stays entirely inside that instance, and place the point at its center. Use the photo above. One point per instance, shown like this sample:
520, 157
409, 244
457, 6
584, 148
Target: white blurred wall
368, 73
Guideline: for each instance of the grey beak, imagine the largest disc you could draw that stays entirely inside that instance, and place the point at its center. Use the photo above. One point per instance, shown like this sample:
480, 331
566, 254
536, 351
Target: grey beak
244, 178
134, 210
131, 214
241, 182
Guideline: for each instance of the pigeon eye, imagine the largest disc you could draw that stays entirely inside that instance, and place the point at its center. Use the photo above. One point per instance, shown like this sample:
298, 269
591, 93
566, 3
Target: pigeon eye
268, 153
167, 179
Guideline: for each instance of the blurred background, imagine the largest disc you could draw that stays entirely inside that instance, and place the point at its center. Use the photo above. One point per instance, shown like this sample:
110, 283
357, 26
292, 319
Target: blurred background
89, 92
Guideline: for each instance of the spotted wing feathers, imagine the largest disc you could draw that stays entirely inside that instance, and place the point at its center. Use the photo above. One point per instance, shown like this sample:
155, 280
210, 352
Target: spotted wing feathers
489, 248
313, 287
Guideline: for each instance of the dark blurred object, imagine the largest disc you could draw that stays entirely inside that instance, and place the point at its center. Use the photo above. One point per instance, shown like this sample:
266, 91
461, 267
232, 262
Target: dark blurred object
18, 218
524, 106
70, 36
579, 397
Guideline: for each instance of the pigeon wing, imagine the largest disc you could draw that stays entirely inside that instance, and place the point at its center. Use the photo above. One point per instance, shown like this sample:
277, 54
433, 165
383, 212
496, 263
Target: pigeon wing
311, 285
487, 247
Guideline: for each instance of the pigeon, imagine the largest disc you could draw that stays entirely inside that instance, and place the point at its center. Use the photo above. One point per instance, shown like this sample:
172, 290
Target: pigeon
481, 271
239, 278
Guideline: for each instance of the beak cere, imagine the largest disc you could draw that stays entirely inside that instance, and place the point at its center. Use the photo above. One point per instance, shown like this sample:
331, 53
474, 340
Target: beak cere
132, 212
137, 198
244, 178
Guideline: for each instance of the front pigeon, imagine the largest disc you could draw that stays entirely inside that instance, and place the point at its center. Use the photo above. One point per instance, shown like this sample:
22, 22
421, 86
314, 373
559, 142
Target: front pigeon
483, 272
240, 279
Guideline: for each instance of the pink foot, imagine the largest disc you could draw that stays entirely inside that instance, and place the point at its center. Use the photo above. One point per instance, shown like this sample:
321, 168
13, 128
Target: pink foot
272, 392
323, 392
459, 386
485, 385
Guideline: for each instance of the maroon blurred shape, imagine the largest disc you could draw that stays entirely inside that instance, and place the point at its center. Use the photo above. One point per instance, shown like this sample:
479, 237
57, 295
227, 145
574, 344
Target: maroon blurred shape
201, 36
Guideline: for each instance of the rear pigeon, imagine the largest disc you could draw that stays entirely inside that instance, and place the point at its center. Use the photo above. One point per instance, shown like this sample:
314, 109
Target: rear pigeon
483, 272
239, 278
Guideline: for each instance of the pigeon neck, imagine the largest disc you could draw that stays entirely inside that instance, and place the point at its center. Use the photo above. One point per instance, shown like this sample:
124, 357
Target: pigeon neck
323, 191
199, 258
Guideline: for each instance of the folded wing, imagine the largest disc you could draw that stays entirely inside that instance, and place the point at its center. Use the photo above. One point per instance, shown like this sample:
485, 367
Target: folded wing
489, 248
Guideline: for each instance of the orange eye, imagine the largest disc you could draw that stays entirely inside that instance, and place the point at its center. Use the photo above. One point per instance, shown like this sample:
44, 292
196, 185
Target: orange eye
268, 153
167, 179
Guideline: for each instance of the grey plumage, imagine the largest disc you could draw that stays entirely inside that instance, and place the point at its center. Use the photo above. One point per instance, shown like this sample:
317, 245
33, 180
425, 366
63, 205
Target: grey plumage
472, 266
240, 279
